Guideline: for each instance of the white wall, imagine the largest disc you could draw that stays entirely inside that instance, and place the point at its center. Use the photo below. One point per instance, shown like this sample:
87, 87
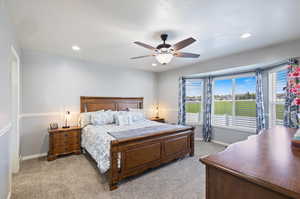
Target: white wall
168, 81
52, 84
6, 40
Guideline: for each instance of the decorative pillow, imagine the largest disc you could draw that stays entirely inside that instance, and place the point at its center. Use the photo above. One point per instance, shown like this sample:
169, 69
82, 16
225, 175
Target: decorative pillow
84, 119
123, 119
137, 114
102, 117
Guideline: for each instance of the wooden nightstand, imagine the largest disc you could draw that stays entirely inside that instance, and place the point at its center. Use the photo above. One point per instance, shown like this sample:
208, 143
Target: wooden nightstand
64, 141
162, 120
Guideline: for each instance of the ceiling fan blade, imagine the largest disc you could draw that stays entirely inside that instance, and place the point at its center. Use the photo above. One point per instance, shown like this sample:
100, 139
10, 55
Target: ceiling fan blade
186, 55
183, 43
144, 45
141, 56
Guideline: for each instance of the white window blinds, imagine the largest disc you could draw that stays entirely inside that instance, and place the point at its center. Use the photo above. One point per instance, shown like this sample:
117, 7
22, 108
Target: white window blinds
278, 82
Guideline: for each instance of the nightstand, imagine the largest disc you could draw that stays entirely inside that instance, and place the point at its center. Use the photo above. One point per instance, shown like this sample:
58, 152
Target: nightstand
161, 120
64, 141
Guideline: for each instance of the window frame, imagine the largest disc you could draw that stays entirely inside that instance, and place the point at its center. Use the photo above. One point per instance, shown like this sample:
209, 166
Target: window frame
232, 77
200, 115
272, 94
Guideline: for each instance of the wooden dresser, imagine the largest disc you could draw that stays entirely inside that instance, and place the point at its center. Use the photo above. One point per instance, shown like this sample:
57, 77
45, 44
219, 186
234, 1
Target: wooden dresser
64, 141
263, 167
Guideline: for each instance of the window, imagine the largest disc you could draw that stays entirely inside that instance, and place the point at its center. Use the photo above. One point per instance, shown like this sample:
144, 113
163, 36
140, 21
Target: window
278, 81
193, 101
234, 102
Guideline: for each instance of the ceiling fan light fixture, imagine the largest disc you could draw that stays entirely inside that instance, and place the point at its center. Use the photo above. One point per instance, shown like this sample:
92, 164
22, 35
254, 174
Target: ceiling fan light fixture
164, 58
165, 52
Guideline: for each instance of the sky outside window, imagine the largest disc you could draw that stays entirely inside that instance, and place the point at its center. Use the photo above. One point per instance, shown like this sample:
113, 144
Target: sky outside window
223, 87
245, 84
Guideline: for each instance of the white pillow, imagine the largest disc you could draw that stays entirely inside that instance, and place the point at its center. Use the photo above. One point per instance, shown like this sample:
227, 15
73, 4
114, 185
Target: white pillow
102, 117
123, 119
137, 114
84, 119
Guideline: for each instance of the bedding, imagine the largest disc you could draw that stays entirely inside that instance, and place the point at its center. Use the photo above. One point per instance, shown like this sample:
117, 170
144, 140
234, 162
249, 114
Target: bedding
143, 131
96, 139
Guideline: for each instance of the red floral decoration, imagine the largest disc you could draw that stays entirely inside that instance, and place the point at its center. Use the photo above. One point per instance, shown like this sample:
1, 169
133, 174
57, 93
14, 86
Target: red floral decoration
294, 82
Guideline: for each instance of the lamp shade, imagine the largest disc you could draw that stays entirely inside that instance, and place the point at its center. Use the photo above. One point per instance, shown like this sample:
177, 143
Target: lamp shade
164, 58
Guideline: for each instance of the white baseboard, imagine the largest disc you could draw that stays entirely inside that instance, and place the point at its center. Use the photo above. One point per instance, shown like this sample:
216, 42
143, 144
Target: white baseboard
214, 141
9, 195
220, 143
29, 157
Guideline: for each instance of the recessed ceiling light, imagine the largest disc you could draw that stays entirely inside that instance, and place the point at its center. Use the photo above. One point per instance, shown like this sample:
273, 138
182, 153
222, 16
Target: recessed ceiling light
76, 48
245, 35
154, 64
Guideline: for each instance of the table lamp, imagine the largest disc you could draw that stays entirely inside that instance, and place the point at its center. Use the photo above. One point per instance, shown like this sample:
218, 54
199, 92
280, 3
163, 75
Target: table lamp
67, 116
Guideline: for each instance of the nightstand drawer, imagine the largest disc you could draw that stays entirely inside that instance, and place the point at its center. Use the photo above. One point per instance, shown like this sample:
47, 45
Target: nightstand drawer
66, 149
65, 135
66, 142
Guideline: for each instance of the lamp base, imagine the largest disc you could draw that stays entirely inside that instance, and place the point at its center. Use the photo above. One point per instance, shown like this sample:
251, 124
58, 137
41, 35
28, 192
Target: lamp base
66, 127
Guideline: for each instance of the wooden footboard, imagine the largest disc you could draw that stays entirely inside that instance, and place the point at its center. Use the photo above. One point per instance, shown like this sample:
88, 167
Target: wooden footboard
135, 155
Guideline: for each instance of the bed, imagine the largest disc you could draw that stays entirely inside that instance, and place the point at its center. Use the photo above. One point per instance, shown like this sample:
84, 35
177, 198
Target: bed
124, 151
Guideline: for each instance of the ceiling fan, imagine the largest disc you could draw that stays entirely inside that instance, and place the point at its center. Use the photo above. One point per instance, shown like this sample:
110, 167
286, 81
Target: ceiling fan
164, 52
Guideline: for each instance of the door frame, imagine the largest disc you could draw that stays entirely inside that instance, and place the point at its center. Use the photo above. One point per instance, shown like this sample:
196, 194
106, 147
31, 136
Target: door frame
15, 153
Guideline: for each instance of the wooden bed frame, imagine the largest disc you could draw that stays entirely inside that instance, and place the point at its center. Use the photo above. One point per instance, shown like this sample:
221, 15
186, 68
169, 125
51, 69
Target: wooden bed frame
138, 154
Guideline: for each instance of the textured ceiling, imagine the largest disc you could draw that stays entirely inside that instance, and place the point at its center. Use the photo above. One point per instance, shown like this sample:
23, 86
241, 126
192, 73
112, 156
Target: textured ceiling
106, 29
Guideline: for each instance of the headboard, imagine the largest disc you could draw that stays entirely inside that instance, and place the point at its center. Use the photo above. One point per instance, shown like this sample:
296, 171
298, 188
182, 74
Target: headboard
90, 104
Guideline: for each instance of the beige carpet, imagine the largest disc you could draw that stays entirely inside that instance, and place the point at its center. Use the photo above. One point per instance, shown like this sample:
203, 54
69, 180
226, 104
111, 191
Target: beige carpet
76, 177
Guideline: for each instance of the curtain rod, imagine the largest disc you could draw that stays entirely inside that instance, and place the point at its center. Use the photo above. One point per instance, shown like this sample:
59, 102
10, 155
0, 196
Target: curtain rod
284, 62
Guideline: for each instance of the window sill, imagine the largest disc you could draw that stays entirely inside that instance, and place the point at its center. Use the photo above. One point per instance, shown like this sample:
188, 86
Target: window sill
247, 130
